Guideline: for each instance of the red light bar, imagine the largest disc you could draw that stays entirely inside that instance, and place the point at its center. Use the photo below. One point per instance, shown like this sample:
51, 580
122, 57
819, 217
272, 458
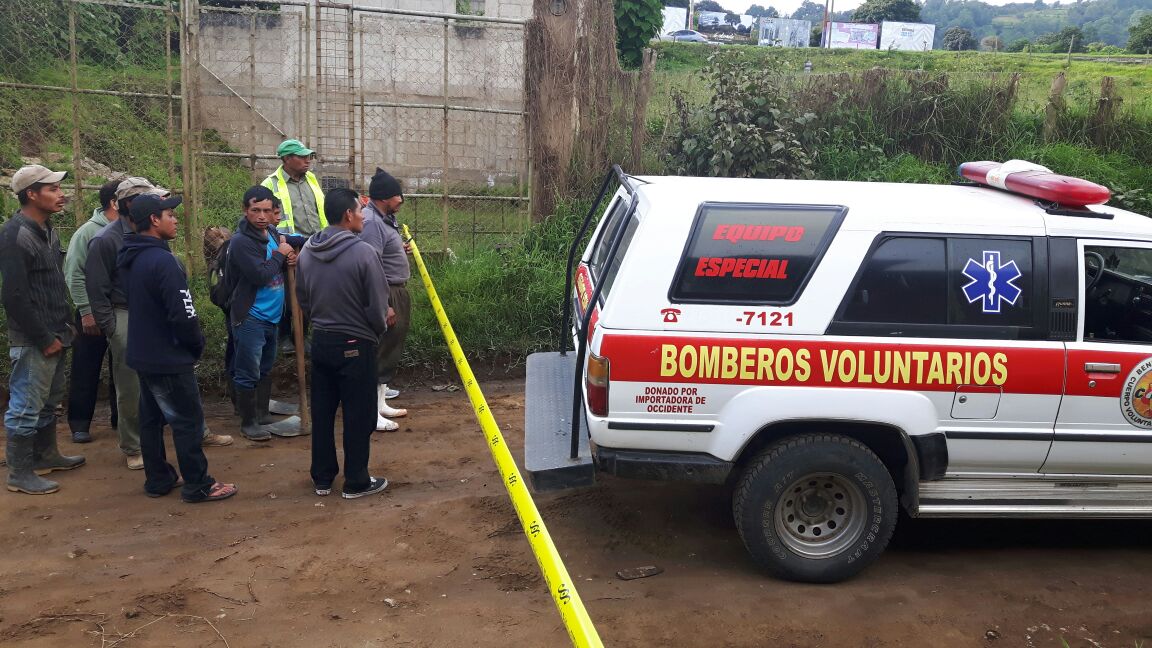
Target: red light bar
1035, 181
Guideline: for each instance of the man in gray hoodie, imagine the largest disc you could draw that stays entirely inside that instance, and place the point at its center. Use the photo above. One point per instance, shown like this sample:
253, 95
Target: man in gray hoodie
342, 288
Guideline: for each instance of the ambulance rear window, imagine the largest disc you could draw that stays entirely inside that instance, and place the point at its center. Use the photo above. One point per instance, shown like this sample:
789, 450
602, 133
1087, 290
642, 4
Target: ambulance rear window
753, 254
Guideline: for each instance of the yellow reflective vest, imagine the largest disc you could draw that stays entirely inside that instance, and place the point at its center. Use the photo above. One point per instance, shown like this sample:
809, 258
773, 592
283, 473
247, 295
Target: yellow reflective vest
278, 183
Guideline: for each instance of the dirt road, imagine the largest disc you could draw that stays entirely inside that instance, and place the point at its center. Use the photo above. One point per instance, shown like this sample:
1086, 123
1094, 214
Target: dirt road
439, 561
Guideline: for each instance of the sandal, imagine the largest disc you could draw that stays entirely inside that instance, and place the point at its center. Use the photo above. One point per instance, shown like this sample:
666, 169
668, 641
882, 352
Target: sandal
217, 492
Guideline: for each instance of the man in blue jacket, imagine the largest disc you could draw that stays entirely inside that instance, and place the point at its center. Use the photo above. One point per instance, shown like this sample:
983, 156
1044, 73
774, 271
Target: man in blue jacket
257, 258
164, 344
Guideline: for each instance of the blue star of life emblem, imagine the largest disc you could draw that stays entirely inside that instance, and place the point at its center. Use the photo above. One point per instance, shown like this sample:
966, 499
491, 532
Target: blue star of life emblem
992, 283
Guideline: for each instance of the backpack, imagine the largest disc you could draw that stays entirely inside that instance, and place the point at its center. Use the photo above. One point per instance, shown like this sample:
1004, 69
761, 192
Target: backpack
220, 287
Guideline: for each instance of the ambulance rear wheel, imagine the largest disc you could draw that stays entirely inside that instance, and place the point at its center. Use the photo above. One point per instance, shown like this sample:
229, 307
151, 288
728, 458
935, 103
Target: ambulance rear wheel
816, 508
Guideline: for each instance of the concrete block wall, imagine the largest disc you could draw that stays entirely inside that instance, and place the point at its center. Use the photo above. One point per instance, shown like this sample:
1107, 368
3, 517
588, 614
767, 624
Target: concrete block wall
396, 59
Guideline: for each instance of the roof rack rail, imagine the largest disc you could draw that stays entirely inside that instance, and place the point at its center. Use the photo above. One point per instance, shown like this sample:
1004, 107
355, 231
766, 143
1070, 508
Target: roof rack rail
626, 180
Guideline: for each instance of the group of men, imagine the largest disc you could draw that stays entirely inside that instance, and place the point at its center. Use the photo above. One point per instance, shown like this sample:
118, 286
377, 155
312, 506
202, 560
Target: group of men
130, 300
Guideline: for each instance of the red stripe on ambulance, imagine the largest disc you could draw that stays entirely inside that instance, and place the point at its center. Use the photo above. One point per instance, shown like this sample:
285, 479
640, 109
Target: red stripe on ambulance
918, 367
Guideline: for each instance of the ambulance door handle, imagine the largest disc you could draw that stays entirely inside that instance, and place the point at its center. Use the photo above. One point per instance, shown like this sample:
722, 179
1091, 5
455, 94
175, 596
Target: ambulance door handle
1102, 367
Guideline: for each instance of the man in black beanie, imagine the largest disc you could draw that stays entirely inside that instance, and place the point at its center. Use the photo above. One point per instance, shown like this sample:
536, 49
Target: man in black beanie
382, 232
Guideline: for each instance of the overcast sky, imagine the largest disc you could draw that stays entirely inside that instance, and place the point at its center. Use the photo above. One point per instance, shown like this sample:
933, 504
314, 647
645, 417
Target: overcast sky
786, 7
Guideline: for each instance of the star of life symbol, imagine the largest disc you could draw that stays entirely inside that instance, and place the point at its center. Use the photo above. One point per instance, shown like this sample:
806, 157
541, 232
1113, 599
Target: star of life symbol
992, 283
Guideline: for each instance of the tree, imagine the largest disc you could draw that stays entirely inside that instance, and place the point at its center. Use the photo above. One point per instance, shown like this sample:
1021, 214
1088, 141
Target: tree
683, 4
637, 21
1060, 42
816, 35
710, 5
1018, 45
756, 11
877, 11
992, 44
1140, 35
809, 10
958, 38
732, 18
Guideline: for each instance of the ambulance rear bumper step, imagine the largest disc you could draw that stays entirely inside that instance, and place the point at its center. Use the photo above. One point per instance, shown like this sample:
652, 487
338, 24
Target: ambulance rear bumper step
1040, 497
548, 426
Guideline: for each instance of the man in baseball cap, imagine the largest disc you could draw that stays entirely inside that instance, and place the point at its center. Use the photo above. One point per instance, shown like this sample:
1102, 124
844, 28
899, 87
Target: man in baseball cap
35, 298
35, 174
109, 306
298, 189
164, 346
135, 185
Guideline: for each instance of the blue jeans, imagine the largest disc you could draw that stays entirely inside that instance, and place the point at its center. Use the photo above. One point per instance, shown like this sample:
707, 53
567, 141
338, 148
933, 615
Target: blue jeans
173, 399
253, 352
37, 387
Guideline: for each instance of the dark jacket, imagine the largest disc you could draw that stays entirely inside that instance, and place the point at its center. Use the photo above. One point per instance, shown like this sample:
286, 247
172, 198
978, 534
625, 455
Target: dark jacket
249, 268
163, 331
34, 294
105, 291
341, 285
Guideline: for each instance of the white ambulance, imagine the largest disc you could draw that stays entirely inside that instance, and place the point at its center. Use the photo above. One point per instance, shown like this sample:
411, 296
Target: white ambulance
834, 350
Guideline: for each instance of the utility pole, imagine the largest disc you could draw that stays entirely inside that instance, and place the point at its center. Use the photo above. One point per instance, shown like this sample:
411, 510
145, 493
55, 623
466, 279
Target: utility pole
824, 23
691, 8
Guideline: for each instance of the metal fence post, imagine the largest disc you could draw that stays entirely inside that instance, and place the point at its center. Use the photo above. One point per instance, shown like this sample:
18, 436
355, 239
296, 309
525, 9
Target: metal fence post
444, 151
77, 212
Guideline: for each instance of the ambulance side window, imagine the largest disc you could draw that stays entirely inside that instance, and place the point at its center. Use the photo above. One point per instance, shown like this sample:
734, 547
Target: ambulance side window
613, 267
1118, 304
943, 286
756, 254
905, 280
613, 220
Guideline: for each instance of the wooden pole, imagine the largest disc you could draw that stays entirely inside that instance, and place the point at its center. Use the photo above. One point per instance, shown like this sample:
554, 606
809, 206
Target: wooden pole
298, 337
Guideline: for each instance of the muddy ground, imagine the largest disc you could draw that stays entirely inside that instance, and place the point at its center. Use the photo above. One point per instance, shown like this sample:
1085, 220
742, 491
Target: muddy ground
439, 561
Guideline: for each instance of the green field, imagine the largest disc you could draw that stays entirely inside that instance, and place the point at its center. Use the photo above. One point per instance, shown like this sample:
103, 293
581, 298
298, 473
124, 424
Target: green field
678, 66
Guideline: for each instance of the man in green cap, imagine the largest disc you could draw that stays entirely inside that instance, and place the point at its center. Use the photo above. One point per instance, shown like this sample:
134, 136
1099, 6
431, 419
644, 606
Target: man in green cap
298, 189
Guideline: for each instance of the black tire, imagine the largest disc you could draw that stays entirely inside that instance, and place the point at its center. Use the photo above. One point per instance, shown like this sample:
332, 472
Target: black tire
816, 508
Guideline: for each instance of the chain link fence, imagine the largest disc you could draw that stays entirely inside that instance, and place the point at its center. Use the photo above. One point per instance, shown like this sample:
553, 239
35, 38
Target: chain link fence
196, 94
436, 99
90, 86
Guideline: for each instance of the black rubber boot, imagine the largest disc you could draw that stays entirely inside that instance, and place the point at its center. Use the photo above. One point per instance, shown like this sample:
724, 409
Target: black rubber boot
230, 390
249, 427
80, 433
46, 455
263, 397
21, 478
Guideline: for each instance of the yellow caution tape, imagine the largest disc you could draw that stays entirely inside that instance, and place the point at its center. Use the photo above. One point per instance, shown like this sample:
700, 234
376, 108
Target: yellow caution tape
560, 584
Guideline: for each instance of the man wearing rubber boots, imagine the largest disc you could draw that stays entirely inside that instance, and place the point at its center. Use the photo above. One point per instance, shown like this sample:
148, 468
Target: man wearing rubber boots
164, 344
382, 232
343, 288
258, 256
36, 301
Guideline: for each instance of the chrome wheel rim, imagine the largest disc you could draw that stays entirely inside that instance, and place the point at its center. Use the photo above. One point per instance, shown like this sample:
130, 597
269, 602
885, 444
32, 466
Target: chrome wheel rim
820, 515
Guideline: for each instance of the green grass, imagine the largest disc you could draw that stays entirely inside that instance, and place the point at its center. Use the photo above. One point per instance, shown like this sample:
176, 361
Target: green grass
677, 67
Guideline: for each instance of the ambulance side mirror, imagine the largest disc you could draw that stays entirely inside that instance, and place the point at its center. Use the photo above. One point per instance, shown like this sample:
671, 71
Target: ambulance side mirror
671, 315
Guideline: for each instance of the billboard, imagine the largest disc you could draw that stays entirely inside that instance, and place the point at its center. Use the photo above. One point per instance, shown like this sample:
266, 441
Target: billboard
714, 18
675, 18
853, 35
906, 36
784, 32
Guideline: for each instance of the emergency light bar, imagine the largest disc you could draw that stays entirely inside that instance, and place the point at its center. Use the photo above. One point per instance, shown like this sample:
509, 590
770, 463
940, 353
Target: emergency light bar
1035, 181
